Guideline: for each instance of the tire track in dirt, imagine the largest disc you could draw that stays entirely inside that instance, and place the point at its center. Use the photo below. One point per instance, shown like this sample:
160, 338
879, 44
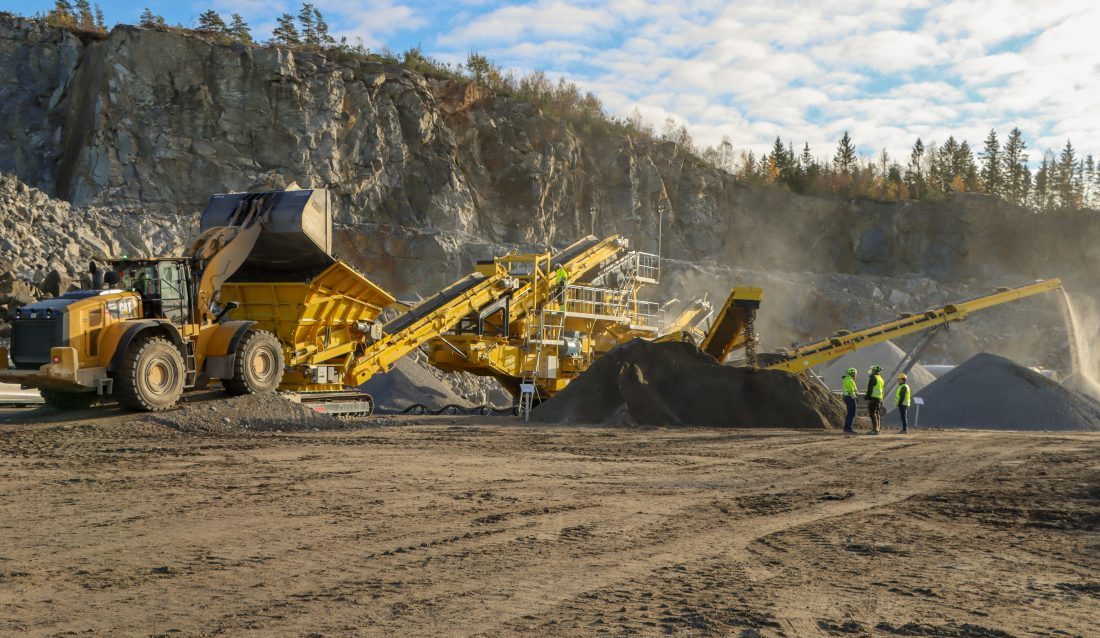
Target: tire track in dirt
453, 530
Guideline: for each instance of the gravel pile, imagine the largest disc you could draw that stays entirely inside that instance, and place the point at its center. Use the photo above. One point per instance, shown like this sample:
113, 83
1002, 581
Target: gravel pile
991, 392
676, 384
249, 413
407, 383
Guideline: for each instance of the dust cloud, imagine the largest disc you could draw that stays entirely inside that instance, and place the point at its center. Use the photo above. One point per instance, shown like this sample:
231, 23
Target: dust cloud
1084, 313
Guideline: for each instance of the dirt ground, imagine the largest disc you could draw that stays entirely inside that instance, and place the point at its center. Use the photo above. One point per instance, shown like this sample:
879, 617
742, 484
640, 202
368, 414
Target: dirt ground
485, 527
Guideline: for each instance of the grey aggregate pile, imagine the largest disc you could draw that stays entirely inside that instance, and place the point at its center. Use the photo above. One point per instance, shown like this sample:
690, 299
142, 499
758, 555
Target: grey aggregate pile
991, 392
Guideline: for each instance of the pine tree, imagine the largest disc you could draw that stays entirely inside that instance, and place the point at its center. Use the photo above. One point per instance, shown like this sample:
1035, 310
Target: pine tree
810, 168
1066, 186
211, 22
946, 164
1088, 183
85, 19
966, 170
1017, 177
309, 31
150, 20
992, 172
321, 25
238, 29
62, 15
1042, 194
845, 158
100, 23
286, 32
1096, 185
893, 175
746, 172
914, 173
780, 165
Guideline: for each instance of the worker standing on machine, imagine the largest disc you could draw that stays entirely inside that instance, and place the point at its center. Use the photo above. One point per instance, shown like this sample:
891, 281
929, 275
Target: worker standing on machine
876, 388
902, 399
561, 280
850, 392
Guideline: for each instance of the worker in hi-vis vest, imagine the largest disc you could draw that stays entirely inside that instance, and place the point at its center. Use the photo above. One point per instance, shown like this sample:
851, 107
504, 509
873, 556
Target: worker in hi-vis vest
903, 398
561, 280
876, 388
851, 390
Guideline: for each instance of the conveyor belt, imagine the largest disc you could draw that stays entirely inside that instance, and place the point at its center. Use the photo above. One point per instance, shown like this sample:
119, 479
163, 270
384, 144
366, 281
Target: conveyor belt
433, 303
572, 252
802, 358
727, 331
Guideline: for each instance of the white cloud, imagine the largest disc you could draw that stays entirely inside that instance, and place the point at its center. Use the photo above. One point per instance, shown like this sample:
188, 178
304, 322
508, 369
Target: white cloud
888, 51
554, 19
886, 70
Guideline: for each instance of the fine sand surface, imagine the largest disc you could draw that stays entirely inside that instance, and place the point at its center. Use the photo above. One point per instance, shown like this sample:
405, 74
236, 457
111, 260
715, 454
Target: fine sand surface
485, 527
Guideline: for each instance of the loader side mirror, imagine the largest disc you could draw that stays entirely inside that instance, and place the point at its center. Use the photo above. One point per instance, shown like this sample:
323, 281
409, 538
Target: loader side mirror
229, 306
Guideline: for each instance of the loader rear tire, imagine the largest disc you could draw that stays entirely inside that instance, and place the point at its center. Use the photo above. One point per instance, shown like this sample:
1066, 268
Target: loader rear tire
257, 366
152, 376
69, 400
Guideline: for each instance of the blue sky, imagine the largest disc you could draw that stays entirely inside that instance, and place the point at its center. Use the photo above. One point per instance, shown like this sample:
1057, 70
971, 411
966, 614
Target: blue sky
887, 70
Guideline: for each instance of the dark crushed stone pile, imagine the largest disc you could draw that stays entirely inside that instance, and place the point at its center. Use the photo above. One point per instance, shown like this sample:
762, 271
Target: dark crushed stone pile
676, 384
251, 413
991, 392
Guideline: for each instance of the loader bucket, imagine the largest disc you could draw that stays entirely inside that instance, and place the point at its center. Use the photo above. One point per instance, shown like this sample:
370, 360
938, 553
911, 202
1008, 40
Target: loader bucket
297, 228
325, 316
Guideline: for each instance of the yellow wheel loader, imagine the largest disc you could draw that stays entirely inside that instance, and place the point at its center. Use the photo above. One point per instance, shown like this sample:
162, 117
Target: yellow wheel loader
149, 329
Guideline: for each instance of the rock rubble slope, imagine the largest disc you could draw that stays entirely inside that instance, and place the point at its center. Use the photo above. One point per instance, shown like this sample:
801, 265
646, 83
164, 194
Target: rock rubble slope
46, 244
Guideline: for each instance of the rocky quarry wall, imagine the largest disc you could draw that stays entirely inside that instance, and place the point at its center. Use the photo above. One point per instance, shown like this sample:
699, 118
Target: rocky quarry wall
139, 128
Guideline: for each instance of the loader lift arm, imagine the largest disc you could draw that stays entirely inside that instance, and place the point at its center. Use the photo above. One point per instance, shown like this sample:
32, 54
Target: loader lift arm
220, 251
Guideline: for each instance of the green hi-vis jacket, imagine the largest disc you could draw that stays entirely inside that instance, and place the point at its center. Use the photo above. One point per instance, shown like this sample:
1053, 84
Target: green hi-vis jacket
876, 387
904, 396
850, 388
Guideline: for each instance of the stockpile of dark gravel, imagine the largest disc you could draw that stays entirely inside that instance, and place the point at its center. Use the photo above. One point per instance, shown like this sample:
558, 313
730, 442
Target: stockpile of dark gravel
991, 392
676, 384
249, 413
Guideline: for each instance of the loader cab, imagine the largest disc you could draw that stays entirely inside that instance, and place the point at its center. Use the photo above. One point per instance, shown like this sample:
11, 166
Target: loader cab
165, 287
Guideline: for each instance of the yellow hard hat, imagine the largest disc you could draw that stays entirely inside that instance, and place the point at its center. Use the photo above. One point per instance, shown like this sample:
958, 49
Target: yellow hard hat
902, 376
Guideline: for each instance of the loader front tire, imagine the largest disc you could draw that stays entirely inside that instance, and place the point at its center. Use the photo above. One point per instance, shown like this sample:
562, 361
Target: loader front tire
152, 376
257, 366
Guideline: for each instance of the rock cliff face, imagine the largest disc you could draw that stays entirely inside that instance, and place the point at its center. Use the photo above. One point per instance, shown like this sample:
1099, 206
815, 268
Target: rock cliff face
430, 175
